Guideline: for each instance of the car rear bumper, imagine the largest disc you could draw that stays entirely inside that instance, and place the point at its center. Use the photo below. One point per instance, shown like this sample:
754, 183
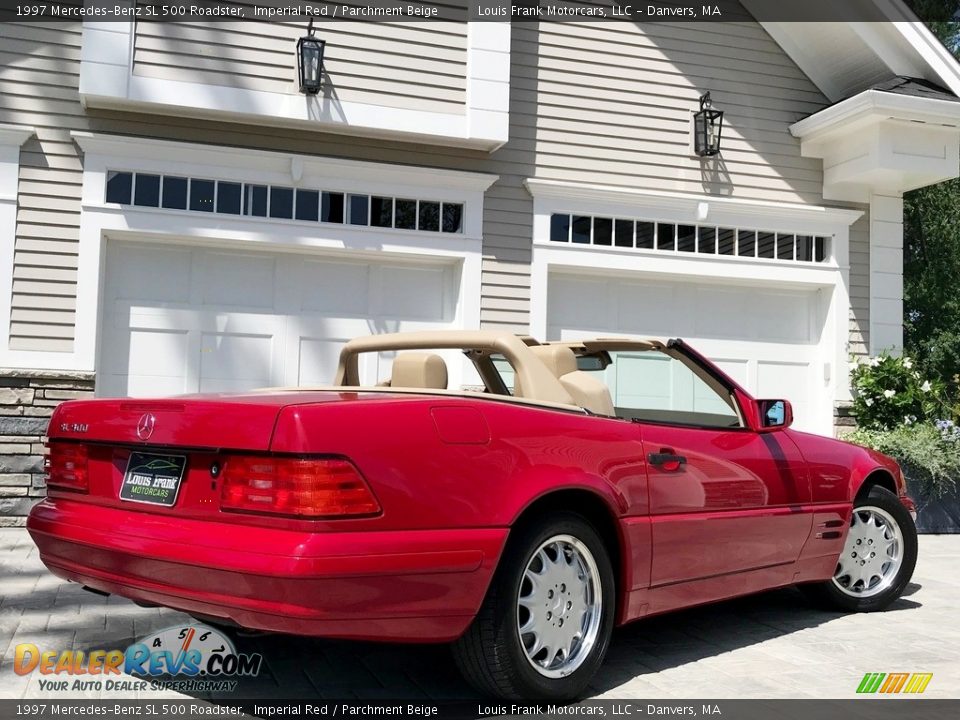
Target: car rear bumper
418, 585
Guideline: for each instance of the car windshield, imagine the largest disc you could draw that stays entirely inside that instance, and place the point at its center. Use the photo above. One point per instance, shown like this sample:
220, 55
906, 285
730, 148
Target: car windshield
651, 386
655, 387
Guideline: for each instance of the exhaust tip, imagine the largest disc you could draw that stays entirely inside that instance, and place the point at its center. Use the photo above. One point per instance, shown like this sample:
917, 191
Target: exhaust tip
101, 593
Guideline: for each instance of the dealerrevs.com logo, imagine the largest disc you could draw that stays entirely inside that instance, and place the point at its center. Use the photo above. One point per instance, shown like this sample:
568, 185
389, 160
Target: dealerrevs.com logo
891, 683
183, 658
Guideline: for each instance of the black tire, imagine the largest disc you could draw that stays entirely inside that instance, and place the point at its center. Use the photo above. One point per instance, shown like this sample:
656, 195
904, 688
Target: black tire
829, 596
490, 654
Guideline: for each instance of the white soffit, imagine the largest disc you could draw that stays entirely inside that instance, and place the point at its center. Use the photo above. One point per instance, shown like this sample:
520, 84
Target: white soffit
881, 142
844, 58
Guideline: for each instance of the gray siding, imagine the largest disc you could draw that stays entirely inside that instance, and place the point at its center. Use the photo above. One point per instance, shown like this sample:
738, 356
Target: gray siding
592, 102
414, 65
611, 103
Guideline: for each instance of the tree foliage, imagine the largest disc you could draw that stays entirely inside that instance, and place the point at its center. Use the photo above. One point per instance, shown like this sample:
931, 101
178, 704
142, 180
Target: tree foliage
932, 246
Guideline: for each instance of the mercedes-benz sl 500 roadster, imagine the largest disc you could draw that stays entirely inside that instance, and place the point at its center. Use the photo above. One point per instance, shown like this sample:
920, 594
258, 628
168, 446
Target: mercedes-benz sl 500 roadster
575, 487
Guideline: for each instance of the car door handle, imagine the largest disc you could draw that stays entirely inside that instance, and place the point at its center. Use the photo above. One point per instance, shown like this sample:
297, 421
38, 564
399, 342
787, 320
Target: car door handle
666, 459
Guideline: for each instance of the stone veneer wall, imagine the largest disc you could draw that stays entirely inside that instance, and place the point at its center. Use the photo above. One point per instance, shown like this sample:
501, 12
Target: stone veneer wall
843, 420
26, 404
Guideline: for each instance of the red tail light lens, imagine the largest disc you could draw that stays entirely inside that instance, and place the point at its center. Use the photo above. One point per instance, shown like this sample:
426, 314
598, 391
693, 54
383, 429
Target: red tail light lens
66, 467
296, 486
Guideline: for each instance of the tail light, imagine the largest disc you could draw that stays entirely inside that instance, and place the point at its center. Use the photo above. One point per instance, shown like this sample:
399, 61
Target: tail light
66, 467
305, 487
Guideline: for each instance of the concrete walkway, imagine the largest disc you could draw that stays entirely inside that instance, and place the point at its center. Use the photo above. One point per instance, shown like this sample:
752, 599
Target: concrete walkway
767, 646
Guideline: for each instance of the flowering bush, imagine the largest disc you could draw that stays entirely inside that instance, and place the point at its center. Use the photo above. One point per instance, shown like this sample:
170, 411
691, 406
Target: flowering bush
889, 392
929, 454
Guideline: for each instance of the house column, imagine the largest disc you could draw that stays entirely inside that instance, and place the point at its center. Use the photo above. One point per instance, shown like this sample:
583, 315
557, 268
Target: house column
886, 272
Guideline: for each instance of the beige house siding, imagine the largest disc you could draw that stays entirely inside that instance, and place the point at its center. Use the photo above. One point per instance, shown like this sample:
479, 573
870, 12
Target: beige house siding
602, 103
611, 103
414, 65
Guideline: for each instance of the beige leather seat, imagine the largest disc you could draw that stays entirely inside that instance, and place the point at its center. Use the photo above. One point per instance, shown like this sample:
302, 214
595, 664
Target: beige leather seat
419, 370
586, 390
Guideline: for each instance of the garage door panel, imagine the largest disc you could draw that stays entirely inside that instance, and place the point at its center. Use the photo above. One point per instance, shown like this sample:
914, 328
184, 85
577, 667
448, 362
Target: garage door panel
765, 338
417, 293
650, 309
211, 320
233, 361
157, 274
317, 360
580, 302
152, 353
722, 312
792, 381
335, 287
232, 279
784, 317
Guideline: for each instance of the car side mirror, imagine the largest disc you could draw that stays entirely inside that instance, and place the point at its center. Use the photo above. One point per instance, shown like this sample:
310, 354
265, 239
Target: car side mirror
774, 414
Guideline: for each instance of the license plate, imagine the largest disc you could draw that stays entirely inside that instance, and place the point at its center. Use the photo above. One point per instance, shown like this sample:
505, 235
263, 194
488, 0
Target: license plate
152, 478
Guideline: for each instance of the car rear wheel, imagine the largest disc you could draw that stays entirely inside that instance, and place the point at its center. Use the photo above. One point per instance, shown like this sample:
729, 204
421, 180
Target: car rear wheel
878, 556
545, 624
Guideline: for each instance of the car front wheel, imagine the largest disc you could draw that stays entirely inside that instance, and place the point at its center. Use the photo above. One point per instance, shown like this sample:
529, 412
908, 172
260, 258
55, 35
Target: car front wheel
878, 556
545, 624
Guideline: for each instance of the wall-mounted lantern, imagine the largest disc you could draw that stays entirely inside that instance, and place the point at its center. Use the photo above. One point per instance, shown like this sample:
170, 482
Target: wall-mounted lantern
707, 126
310, 61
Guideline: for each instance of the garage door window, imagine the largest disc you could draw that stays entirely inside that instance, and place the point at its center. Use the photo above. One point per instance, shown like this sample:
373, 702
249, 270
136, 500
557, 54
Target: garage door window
286, 203
701, 239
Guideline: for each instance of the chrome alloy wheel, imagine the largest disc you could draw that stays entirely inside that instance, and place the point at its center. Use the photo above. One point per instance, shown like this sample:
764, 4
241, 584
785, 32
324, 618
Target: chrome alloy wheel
559, 606
872, 554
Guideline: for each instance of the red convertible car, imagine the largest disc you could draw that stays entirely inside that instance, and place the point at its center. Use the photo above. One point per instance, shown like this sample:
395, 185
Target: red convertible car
583, 486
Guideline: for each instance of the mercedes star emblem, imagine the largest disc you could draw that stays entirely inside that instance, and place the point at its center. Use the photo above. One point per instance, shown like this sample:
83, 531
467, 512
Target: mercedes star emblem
145, 426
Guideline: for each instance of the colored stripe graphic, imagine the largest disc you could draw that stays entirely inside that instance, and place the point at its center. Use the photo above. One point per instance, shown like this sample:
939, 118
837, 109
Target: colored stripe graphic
894, 682
918, 682
870, 682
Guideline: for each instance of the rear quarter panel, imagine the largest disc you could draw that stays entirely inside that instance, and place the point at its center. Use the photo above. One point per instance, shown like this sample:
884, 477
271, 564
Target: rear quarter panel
425, 478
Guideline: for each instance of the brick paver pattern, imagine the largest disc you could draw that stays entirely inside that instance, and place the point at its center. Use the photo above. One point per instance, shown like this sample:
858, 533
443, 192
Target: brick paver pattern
772, 645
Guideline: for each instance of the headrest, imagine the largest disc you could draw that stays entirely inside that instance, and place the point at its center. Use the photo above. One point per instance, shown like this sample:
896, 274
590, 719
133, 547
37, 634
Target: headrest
559, 359
419, 370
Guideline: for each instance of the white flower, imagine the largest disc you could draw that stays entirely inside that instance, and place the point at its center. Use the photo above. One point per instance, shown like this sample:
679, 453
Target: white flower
926, 387
855, 363
907, 363
868, 402
873, 362
916, 375
906, 420
889, 393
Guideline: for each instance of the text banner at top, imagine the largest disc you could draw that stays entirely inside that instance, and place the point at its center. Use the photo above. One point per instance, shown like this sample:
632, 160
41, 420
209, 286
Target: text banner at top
461, 10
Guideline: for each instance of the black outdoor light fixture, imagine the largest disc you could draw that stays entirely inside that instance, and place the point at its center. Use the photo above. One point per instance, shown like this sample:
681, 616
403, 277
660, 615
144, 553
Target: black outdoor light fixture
310, 61
707, 125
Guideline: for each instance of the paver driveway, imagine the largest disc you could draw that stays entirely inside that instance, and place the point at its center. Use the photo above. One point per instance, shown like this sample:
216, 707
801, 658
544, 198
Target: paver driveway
767, 646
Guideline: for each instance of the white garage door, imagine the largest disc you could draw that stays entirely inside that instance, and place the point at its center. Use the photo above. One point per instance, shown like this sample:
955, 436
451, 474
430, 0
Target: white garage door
180, 319
769, 340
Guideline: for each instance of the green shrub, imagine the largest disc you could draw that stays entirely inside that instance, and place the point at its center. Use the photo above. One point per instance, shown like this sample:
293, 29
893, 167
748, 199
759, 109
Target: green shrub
929, 453
889, 392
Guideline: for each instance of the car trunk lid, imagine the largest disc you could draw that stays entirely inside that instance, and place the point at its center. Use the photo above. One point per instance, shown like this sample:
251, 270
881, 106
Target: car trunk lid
242, 422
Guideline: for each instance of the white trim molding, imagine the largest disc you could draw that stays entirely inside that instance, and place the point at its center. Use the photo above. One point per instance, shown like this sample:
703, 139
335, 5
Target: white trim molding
107, 80
883, 142
832, 276
12, 137
560, 196
889, 41
886, 273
